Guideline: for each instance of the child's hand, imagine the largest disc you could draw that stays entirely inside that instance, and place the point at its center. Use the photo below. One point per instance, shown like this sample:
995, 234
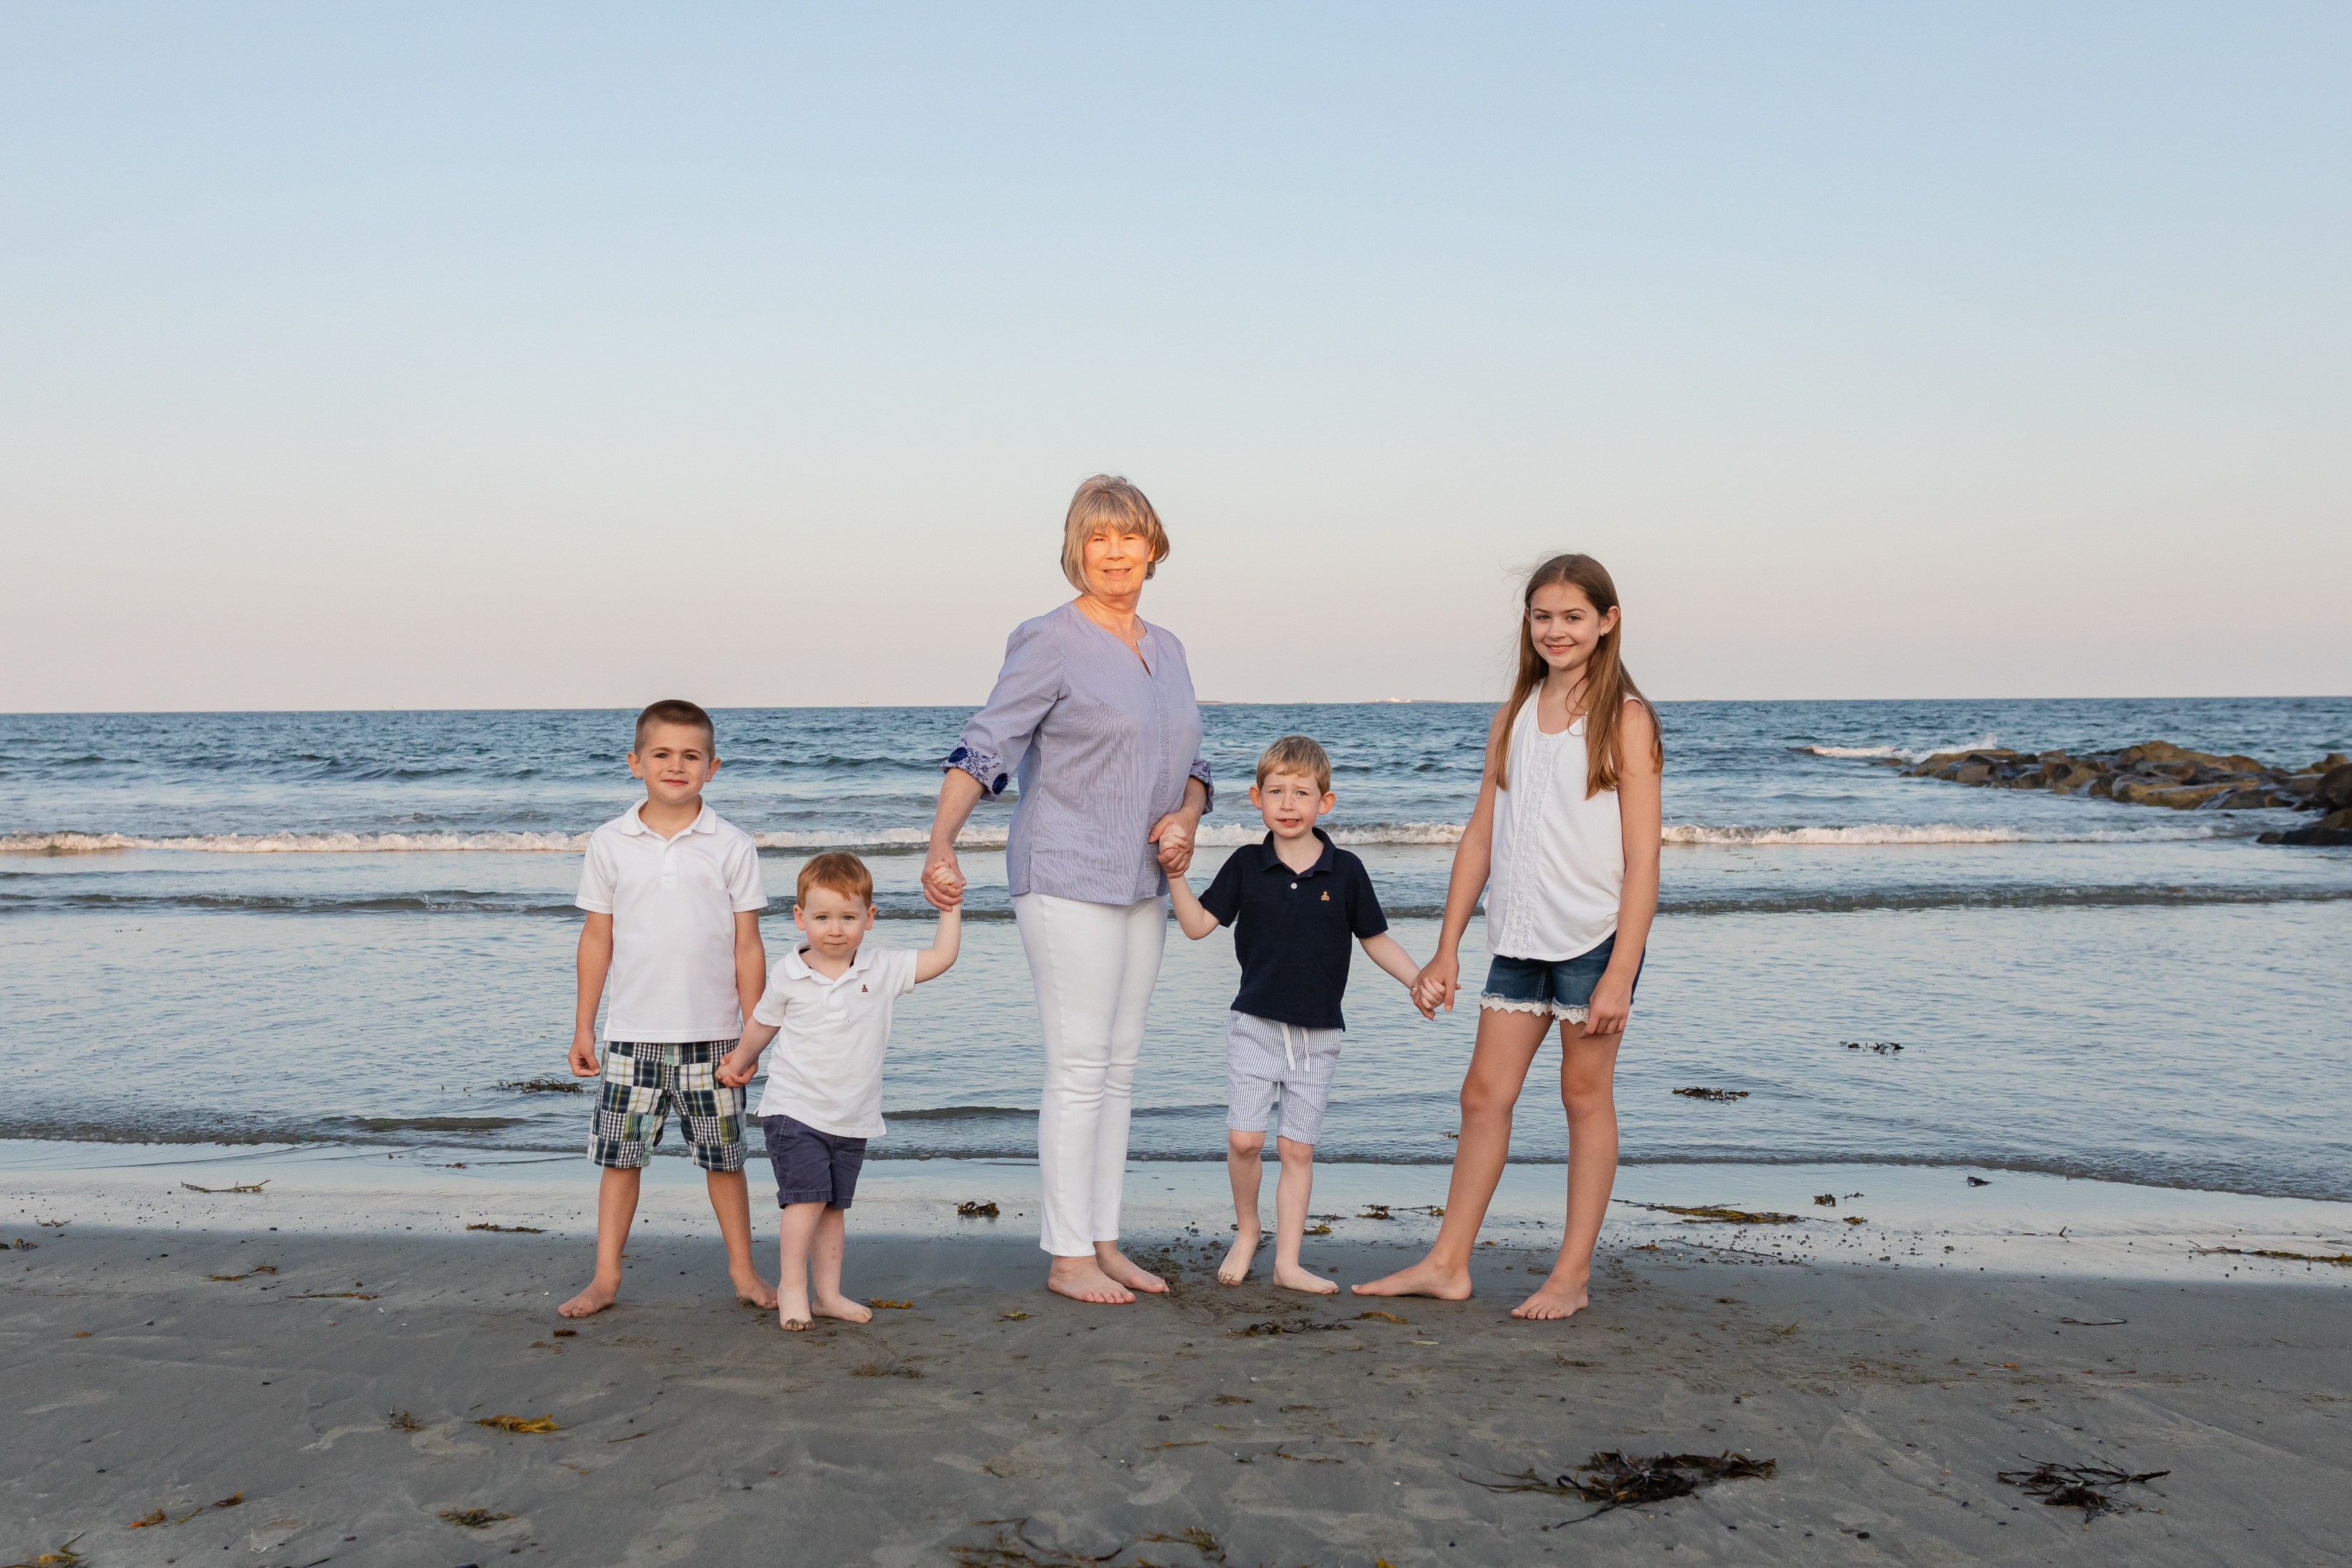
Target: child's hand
737, 1070
1439, 978
582, 1060
1612, 1002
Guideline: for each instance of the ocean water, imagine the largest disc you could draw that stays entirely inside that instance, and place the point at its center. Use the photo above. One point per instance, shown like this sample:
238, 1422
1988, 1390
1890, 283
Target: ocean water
356, 927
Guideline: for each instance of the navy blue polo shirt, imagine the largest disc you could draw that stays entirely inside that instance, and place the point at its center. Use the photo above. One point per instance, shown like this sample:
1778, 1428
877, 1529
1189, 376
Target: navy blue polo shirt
1292, 930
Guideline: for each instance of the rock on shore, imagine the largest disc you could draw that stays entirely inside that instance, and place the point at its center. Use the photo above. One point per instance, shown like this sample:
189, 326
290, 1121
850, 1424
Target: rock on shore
2157, 772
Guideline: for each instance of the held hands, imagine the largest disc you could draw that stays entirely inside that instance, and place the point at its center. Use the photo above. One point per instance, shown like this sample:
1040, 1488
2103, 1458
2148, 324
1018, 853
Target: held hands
1440, 978
1173, 835
582, 1057
944, 879
738, 1069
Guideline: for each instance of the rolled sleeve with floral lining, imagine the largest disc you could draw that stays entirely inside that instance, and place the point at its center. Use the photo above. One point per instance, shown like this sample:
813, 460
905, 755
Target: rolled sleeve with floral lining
1100, 742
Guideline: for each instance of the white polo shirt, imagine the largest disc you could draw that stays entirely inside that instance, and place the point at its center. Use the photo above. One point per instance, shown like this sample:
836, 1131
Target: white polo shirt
826, 1067
673, 903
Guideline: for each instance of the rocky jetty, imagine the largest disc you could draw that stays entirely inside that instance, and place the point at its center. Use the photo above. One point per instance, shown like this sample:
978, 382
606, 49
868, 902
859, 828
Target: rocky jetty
2157, 772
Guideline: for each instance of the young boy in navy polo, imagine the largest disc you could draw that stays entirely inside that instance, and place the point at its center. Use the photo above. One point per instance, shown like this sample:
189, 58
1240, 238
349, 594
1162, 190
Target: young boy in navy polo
1293, 900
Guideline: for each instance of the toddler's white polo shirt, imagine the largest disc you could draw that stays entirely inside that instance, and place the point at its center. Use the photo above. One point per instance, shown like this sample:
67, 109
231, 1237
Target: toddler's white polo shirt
673, 903
824, 1070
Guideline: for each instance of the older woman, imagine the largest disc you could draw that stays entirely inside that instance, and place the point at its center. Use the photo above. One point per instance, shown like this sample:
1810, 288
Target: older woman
1093, 714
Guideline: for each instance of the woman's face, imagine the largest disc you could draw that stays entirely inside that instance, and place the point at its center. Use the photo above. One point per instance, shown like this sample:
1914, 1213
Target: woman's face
1115, 562
1565, 626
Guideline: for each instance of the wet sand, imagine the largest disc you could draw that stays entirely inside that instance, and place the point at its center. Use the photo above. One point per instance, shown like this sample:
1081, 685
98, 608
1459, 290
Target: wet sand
989, 1422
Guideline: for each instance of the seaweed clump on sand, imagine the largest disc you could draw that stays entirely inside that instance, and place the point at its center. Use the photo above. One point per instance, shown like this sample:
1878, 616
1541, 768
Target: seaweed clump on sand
2075, 1486
973, 1209
1716, 1214
1615, 1480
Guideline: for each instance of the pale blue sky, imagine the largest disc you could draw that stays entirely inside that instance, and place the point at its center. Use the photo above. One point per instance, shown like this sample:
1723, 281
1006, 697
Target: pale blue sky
519, 355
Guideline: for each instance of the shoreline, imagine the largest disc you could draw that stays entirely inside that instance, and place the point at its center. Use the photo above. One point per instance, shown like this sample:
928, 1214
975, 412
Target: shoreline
309, 1399
1886, 1217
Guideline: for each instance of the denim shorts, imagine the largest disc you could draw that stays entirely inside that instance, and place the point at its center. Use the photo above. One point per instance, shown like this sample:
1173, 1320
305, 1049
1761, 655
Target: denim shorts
1562, 988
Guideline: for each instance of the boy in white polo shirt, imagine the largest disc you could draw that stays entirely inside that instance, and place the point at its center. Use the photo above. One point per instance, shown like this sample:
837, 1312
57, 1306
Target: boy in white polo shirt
673, 895
831, 999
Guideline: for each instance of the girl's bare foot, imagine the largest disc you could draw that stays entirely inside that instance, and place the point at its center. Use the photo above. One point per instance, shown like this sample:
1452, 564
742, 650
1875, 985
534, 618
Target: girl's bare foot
1553, 1299
1426, 1278
1295, 1278
845, 1308
593, 1300
1113, 1262
754, 1291
1081, 1279
1235, 1267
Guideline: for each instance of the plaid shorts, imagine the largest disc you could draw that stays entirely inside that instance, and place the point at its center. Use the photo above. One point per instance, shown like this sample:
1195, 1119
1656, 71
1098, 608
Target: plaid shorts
643, 1081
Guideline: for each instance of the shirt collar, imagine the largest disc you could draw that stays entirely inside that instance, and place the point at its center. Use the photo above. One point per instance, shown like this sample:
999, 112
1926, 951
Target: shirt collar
797, 967
1267, 860
634, 823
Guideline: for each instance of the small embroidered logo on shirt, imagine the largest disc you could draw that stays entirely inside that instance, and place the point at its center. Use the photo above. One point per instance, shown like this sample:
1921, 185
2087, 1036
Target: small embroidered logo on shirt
861, 991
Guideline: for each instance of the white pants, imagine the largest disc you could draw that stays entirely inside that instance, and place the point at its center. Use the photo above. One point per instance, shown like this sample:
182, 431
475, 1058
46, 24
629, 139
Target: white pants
1094, 965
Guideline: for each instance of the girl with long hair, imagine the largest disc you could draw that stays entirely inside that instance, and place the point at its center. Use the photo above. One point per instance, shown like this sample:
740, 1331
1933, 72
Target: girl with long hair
1564, 844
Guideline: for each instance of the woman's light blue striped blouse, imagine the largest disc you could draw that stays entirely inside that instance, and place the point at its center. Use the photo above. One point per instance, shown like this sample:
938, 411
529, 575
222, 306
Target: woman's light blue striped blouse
1101, 747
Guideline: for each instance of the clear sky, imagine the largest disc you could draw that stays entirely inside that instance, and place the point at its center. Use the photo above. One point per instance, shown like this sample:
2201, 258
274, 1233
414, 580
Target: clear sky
513, 355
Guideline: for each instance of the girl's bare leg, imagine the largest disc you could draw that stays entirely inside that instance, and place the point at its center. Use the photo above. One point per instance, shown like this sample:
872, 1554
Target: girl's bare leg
1293, 1189
1245, 1170
616, 1208
824, 1270
1498, 1066
731, 1200
1588, 1077
797, 1236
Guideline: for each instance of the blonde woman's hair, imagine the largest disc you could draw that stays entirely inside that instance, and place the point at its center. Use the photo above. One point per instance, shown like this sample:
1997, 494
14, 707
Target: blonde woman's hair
1106, 501
1607, 686
1296, 755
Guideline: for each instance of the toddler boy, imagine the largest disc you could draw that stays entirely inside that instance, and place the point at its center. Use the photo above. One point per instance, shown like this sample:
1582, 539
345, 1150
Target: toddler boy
1294, 900
831, 999
672, 891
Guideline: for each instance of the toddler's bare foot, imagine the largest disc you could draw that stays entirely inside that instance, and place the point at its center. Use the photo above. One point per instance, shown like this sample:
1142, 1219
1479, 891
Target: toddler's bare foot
1425, 1278
1082, 1280
754, 1291
1290, 1277
593, 1300
793, 1311
845, 1308
1235, 1267
1553, 1299
1113, 1262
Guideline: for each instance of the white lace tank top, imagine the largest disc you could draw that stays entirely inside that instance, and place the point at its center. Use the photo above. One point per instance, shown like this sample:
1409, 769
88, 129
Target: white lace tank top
1559, 864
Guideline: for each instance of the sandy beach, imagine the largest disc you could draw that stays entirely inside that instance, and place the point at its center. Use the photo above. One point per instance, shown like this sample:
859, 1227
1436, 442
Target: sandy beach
330, 1389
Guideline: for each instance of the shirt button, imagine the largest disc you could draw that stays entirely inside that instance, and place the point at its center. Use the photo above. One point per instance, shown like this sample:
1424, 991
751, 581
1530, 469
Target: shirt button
1293, 885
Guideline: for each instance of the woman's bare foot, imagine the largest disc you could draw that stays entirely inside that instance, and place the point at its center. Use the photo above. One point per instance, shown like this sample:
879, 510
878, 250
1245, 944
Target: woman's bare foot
593, 1300
1113, 1262
1296, 1279
845, 1308
1235, 1267
1553, 1299
754, 1291
1425, 1278
1081, 1279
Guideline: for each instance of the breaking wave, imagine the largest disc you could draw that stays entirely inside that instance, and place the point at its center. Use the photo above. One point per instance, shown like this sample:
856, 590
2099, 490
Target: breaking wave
1866, 834
906, 840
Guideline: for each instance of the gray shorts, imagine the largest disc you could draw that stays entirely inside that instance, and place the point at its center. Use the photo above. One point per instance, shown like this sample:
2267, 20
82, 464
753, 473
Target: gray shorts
1262, 1055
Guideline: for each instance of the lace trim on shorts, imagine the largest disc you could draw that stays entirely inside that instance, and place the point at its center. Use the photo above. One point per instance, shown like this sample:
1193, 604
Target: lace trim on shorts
1491, 1002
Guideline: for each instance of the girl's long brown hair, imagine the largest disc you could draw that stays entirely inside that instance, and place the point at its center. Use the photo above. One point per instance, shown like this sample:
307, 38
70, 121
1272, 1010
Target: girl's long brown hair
1606, 684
